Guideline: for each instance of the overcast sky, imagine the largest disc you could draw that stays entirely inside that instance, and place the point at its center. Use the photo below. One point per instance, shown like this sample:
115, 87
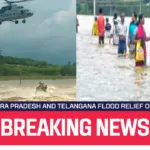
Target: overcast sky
48, 35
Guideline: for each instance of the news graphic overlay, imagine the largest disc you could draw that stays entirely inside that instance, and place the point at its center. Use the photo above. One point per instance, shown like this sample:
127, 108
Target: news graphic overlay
74, 123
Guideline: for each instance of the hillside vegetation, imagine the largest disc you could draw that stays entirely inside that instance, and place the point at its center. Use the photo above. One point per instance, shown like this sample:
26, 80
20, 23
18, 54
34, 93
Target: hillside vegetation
11, 66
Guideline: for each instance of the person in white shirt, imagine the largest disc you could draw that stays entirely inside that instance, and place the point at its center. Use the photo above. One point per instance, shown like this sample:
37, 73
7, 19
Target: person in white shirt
122, 32
114, 32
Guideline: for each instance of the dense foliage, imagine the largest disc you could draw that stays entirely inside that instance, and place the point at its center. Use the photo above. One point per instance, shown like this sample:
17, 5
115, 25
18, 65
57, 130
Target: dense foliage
10, 66
111, 7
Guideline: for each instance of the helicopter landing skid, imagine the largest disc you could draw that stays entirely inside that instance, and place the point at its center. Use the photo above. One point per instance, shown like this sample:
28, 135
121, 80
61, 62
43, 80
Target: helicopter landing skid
16, 21
24, 21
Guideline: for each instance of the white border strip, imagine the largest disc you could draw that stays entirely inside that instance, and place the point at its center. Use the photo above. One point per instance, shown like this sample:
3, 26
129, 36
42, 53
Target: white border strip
74, 147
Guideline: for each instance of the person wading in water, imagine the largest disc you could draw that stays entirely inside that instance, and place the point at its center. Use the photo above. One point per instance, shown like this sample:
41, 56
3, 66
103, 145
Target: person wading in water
140, 34
115, 33
132, 27
101, 26
122, 32
77, 25
95, 28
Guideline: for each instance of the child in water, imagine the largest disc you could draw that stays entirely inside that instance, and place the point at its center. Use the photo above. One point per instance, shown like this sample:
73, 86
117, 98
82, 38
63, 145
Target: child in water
95, 28
108, 30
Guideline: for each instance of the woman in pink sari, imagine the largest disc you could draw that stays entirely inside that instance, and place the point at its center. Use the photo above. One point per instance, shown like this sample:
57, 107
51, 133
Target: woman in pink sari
141, 35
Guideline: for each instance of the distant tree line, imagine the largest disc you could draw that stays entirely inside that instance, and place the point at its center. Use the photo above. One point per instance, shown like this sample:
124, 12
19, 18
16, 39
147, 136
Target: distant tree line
22, 61
109, 8
10, 66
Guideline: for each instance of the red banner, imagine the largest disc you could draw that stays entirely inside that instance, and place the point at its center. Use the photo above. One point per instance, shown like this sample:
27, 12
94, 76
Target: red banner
75, 128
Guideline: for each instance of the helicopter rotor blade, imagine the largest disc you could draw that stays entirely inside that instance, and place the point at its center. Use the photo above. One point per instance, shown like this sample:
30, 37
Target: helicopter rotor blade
8, 2
21, 1
11, 2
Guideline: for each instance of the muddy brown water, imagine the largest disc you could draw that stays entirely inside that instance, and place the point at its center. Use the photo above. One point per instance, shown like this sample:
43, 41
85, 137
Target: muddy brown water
58, 90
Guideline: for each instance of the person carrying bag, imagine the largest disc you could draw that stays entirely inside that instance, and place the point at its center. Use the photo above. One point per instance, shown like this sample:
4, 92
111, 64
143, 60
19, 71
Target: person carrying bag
139, 52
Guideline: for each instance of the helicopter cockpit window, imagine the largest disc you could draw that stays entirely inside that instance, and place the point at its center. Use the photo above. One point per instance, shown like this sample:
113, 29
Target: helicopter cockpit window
5, 8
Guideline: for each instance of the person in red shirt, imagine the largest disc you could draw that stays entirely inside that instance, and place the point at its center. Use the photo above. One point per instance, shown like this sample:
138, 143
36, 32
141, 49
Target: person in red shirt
101, 26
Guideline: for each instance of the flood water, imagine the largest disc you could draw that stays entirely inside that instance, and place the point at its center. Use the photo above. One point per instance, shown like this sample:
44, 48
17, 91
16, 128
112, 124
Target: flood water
104, 76
58, 90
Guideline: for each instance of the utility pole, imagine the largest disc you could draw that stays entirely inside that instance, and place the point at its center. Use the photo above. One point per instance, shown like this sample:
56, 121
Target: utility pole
140, 7
20, 77
111, 4
94, 8
110, 9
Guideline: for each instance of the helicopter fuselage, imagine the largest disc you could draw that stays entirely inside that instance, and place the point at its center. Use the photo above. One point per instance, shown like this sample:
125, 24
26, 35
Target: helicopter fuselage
13, 13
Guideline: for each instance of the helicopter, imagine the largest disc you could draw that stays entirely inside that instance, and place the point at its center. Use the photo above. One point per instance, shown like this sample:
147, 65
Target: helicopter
13, 12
